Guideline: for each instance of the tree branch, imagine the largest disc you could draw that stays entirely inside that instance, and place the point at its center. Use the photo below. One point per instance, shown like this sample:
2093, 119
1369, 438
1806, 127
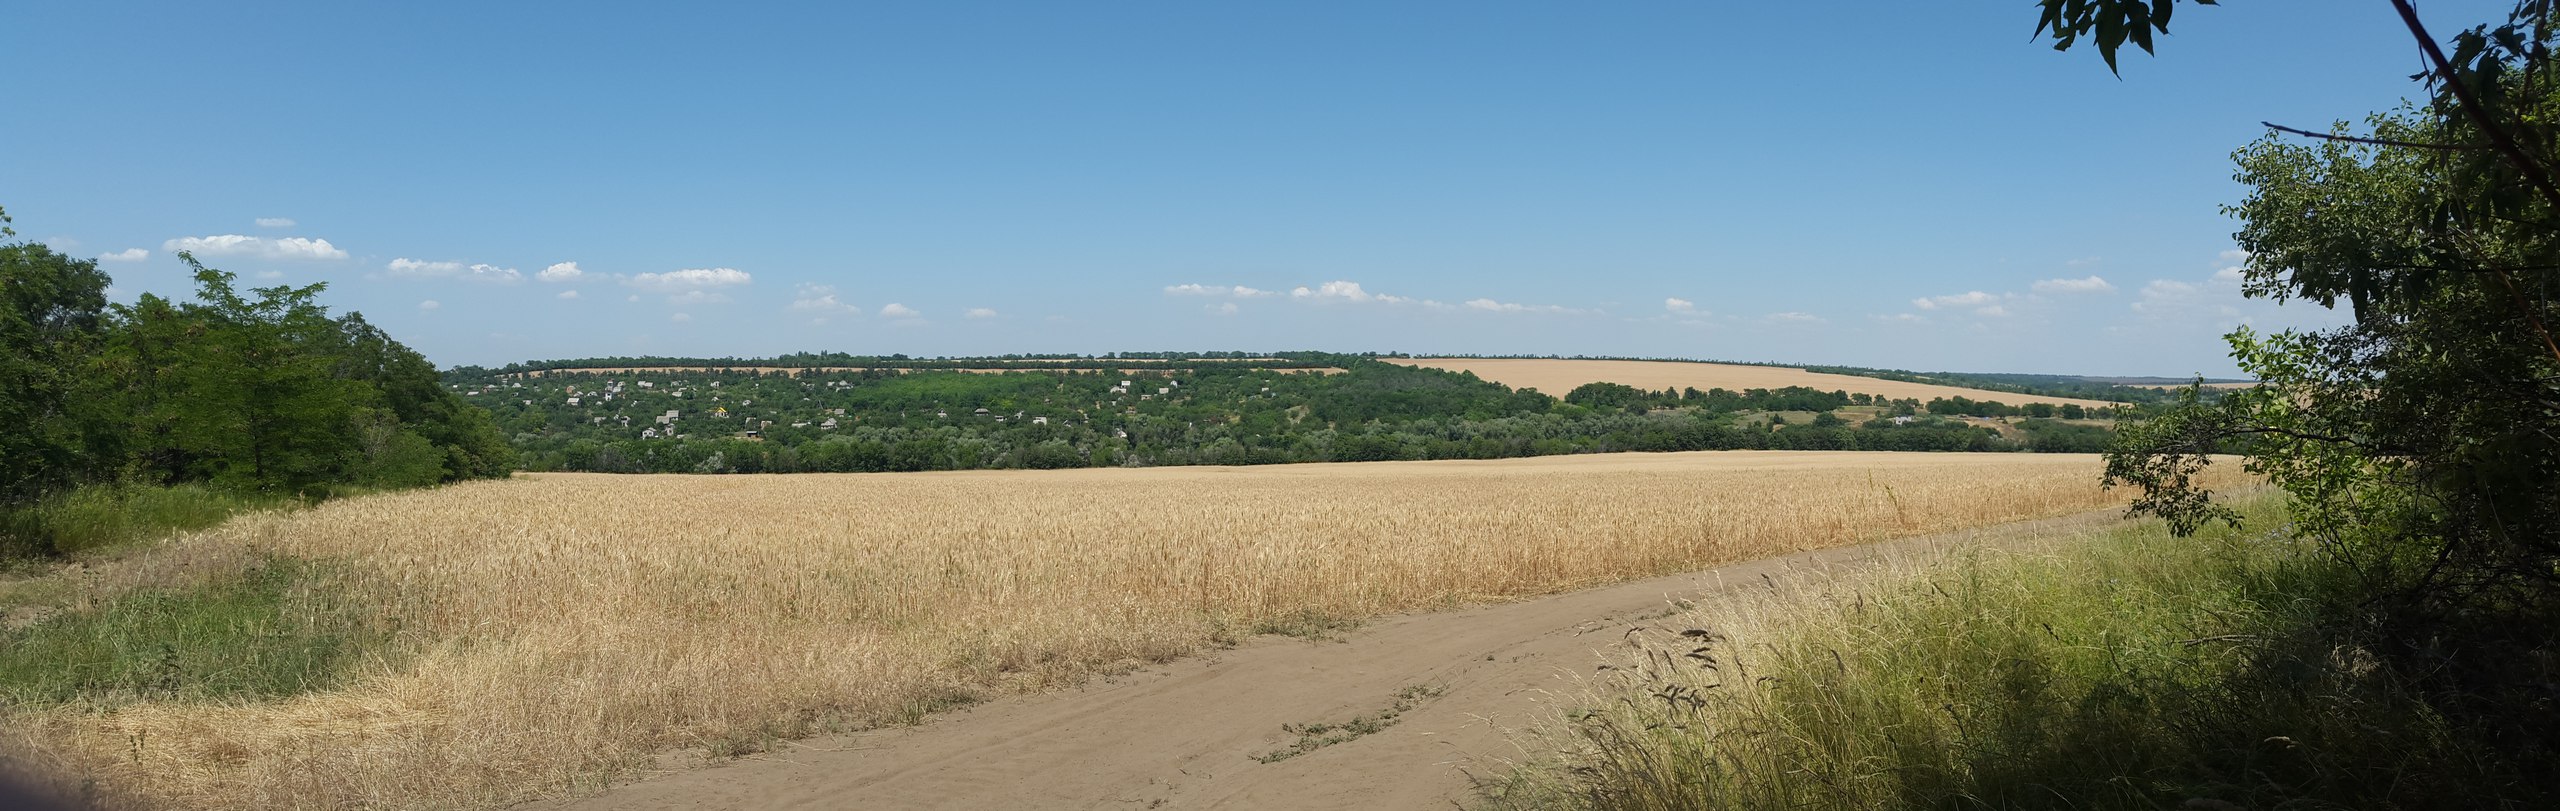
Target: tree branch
2498, 137
2374, 141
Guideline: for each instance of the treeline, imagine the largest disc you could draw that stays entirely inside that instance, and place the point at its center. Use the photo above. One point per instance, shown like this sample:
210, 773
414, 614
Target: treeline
257, 393
1802, 398
816, 360
868, 450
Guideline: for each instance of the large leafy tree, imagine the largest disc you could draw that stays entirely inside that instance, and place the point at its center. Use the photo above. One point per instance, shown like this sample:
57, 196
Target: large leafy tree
51, 310
2421, 444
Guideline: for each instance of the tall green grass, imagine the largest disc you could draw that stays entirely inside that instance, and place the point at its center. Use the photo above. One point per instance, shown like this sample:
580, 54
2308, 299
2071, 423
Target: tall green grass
277, 628
100, 517
2125, 670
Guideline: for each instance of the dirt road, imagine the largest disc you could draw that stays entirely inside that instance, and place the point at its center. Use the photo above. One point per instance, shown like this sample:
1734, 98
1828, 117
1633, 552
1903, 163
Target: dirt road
1186, 735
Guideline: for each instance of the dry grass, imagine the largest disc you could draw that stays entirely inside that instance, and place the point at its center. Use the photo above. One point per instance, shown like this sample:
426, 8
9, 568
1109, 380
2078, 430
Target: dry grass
1559, 376
562, 627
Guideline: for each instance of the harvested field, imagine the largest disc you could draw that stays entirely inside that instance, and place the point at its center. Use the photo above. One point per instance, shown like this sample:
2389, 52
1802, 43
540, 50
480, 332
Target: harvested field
1559, 376
555, 629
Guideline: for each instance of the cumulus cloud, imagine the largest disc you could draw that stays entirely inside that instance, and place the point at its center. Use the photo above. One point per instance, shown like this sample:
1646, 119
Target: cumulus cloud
1333, 291
2163, 295
1793, 318
1974, 298
405, 266
1237, 291
2229, 275
408, 268
255, 247
1680, 305
429, 304
2093, 284
896, 310
980, 312
126, 255
698, 297
562, 272
1994, 311
1902, 318
1222, 308
680, 317
2236, 256
570, 295
275, 222
819, 298
677, 281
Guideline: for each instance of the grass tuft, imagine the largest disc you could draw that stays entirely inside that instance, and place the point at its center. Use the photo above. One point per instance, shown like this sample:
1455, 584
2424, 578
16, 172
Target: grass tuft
267, 632
1316, 736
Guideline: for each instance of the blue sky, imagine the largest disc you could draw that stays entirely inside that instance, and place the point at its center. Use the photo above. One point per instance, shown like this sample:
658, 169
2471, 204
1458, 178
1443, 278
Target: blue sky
1912, 185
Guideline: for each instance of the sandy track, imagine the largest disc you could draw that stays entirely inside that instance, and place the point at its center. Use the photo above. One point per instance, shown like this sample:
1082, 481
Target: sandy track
1184, 735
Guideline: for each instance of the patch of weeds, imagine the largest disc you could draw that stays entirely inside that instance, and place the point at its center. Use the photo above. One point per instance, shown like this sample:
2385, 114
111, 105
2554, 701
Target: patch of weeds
1308, 625
1316, 736
269, 631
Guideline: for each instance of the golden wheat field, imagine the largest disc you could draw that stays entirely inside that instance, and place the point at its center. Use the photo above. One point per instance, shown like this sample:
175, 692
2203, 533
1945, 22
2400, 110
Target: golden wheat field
558, 628
1559, 376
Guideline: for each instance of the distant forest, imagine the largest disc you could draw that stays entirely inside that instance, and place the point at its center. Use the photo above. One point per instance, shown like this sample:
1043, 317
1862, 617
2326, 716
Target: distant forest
848, 413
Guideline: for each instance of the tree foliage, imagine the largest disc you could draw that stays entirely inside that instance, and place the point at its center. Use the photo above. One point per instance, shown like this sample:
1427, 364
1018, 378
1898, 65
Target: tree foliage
2420, 444
257, 390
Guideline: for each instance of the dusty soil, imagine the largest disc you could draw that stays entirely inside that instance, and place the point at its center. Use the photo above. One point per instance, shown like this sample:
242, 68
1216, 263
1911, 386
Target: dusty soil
1187, 734
1556, 377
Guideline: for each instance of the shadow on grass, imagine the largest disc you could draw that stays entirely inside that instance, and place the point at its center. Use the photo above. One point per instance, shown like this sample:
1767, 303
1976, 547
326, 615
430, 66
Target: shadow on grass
2130, 670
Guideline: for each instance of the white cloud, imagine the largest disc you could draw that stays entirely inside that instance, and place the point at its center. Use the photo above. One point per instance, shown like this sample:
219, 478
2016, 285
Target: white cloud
1793, 318
2235, 256
275, 222
255, 247
429, 304
405, 266
632, 297
270, 274
1222, 308
1492, 306
698, 297
680, 317
408, 268
2093, 284
1238, 291
570, 295
1902, 318
980, 312
1994, 311
1680, 305
1334, 290
1975, 298
819, 298
562, 272
126, 255
675, 281
896, 310
2229, 275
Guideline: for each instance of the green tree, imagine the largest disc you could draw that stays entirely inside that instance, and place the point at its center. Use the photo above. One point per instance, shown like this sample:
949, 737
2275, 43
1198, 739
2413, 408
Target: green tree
52, 316
2420, 445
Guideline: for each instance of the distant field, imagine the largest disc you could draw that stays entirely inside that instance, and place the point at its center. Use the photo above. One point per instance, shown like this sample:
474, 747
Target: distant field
1559, 376
553, 629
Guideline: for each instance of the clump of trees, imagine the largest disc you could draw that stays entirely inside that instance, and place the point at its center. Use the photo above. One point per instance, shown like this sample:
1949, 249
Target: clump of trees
258, 391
